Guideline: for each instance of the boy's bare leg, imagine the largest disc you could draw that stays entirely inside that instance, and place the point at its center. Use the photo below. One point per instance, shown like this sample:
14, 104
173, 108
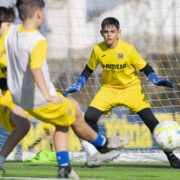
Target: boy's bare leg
61, 146
19, 119
61, 138
80, 127
84, 131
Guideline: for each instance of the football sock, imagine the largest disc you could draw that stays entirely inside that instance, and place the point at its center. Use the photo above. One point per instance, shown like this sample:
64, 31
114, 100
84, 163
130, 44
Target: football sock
149, 119
2, 159
89, 149
100, 141
63, 158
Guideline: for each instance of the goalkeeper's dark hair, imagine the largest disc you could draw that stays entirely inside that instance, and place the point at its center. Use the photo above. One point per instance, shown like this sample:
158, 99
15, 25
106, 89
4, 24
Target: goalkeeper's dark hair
7, 15
110, 21
27, 8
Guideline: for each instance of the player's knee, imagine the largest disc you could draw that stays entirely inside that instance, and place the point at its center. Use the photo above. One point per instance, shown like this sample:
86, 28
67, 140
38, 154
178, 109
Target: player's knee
77, 107
149, 119
23, 125
90, 118
92, 115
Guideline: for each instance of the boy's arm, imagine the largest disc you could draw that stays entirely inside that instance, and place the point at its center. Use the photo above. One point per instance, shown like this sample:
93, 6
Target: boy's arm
89, 68
39, 79
148, 70
37, 58
76, 87
140, 64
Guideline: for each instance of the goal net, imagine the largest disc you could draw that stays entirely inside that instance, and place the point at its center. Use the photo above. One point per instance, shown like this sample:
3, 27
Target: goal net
74, 28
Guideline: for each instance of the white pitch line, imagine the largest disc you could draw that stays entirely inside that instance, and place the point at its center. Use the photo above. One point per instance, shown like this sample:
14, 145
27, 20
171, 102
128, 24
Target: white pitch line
30, 178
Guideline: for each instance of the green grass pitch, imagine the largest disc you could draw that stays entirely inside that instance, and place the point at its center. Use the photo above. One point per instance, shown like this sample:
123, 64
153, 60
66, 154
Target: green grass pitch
109, 171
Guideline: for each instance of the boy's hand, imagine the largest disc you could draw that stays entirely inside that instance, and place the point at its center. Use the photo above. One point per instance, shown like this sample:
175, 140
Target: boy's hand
0, 92
55, 99
76, 87
160, 82
73, 88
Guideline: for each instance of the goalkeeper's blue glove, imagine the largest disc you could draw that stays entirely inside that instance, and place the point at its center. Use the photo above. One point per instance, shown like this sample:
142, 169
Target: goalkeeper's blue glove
160, 82
76, 87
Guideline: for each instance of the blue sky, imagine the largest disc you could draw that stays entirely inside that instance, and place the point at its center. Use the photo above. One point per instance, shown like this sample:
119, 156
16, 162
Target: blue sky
102, 3
94, 7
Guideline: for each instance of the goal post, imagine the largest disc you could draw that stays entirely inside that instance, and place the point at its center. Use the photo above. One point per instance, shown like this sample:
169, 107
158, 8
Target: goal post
73, 29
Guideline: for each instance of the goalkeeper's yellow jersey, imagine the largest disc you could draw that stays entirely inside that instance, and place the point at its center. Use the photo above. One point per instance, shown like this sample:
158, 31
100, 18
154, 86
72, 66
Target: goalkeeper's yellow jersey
119, 64
6, 103
3, 60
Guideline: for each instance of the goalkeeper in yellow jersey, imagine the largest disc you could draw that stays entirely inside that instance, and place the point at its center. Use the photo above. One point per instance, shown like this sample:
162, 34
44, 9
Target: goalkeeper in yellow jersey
121, 83
15, 124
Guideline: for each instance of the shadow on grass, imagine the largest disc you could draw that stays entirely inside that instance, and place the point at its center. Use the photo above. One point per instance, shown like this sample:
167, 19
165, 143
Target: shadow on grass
118, 165
106, 165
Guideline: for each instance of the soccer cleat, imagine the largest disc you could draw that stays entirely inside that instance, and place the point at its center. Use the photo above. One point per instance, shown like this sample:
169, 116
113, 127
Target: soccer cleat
97, 159
117, 142
65, 173
174, 161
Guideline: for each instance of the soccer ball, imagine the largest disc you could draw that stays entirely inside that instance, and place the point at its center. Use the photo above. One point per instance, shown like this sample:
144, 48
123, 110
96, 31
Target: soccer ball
167, 135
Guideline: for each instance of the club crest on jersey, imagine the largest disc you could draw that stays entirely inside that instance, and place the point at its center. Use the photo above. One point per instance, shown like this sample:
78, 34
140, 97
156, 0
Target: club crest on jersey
120, 56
